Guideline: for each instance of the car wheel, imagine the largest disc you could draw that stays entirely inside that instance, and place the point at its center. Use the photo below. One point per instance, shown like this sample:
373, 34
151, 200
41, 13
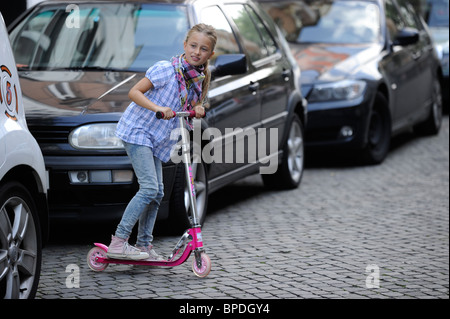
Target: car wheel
290, 170
180, 213
433, 123
379, 132
20, 243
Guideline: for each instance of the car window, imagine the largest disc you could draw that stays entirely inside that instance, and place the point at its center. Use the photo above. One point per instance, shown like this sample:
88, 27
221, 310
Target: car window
226, 40
411, 19
267, 38
289, 16
437, 13
394, 20
327, 21
124, 36
252, 39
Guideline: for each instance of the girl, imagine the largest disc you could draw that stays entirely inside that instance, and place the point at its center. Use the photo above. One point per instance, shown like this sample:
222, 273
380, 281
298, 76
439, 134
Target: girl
167, 86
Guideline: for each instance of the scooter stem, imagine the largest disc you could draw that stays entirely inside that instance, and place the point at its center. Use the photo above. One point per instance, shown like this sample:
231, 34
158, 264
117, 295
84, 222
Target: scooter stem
185, 148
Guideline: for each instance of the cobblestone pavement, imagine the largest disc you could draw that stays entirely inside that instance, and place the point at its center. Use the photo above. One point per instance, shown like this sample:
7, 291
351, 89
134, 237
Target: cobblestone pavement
347, 232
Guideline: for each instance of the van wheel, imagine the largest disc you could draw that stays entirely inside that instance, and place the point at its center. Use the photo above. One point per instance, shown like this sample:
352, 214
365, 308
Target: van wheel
379, 133
20, 243
290, 170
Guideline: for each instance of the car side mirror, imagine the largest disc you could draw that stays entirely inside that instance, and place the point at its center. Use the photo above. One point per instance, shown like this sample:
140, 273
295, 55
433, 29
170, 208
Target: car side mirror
229, 64
406, 36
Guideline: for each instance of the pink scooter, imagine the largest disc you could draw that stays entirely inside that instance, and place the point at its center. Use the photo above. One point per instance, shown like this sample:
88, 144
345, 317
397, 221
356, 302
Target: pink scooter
191, 241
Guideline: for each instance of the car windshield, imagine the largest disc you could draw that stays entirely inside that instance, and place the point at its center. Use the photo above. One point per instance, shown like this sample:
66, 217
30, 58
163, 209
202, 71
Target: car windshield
120, 36
437, 15
338, 22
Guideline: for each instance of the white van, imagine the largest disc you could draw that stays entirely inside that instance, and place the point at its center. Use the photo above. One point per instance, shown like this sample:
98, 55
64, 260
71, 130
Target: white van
23, 187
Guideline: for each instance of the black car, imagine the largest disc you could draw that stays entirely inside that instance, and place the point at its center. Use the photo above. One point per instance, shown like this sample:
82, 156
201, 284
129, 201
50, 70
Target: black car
78, 60
369, 71
436, 14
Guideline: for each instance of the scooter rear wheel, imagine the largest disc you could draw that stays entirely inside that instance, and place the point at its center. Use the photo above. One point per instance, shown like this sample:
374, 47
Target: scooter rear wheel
91, 259
206, 266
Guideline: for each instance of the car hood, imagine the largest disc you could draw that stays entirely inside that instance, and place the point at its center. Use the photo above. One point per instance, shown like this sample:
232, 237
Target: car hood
329, 62
50, 94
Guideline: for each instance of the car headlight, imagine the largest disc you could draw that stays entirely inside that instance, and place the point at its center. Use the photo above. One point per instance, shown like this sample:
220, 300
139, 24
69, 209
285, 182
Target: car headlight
337, 91
96, 136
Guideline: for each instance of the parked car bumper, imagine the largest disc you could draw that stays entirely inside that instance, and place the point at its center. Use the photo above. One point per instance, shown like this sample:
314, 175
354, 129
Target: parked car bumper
96, 194
341, 124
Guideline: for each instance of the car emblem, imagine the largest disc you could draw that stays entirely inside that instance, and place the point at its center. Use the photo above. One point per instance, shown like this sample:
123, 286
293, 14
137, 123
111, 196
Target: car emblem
8, 93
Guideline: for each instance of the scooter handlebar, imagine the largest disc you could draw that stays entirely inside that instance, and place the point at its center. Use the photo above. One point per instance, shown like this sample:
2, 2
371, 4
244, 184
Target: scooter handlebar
160, 115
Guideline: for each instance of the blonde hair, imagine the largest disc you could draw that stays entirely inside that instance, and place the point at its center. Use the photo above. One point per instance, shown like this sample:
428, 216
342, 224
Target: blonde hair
210, 32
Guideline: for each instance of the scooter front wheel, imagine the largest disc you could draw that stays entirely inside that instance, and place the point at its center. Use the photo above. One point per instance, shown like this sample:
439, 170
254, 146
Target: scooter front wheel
91, 259
206, 266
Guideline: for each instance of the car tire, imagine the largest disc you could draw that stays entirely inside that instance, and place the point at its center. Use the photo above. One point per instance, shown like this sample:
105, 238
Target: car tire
378, 133
432, 124
290, 171
20, 243
180, 213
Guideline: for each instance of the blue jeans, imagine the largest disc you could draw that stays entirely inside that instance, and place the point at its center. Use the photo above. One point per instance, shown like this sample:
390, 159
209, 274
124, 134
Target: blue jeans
145, 204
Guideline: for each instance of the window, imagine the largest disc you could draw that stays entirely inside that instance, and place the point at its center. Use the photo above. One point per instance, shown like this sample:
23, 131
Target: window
327, 21
226, 41
124, 36
257, 40
408, 13
267, 38
289, 16
437, 13
393, 20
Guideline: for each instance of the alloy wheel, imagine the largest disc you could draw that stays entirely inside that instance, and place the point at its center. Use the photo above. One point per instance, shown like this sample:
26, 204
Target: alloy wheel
295, 152
18, 249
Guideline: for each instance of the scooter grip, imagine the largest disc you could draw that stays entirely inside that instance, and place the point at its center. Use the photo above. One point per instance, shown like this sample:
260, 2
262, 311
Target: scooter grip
159, 115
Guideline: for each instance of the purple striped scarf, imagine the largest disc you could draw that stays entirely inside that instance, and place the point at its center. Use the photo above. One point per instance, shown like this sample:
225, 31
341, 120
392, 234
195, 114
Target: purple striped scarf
189, 77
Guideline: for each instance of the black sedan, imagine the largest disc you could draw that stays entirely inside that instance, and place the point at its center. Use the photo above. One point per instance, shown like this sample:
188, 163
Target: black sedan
369, 71
77, 62
436, 14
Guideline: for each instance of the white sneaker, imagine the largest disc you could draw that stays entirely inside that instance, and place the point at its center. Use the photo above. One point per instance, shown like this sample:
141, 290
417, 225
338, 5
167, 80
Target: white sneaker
120, 249
152, 254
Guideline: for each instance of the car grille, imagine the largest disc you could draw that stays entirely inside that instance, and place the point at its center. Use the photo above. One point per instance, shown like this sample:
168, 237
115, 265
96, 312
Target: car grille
50, 134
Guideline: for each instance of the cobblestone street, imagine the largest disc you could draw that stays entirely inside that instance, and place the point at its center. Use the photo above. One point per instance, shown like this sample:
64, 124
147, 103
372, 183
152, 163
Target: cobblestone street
346, 232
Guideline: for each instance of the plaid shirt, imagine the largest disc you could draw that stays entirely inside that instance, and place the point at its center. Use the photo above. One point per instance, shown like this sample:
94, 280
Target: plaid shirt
139, 125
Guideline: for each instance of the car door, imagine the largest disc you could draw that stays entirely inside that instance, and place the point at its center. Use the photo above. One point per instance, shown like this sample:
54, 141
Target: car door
275, 86
235, 105
271, 69
400, 66
423, 51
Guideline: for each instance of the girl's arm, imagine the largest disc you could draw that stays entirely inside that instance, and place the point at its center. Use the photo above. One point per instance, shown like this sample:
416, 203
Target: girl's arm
136, 94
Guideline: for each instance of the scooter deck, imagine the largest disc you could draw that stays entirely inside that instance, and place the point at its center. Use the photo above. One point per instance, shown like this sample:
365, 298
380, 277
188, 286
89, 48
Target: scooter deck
166, 263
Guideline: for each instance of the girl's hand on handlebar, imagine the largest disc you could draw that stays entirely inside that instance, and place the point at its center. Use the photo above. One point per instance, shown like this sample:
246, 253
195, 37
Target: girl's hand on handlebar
167, 112
199, 111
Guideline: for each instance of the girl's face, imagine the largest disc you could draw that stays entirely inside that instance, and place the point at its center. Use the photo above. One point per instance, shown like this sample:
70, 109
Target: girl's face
198, 49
